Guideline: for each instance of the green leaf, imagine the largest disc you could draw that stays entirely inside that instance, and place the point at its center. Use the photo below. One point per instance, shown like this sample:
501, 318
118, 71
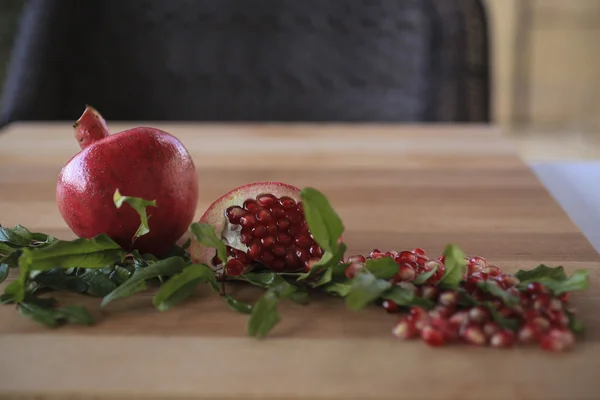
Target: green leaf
41, 315
455, 265
205, 234
18, 236
5, 251
3, 272
41, 239
365, 289
238, 305
261, 279
422, 278
328, 260
97, 252
98, 282
119, 275
558, 282
56, 279
341, 288
384, 267
75, 314
264, 315
139, 205
181, 286
541, 272
323, 222
137, 282
575, 324
502, 321
495, 290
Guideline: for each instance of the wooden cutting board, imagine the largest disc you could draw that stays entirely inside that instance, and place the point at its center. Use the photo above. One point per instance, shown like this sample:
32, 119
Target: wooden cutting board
395, 188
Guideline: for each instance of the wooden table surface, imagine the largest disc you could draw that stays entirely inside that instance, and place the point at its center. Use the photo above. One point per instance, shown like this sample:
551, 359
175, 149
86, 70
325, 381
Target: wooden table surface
395, 188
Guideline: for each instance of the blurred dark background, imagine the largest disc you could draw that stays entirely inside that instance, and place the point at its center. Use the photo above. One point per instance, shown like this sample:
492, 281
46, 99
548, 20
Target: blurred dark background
236, 60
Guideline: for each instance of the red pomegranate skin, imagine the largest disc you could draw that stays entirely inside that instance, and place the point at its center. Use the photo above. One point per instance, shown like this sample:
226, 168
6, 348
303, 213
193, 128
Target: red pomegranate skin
141, 162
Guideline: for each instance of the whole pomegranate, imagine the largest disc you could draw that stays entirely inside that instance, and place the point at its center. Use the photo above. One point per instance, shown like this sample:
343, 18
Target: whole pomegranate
262, 223
140, 162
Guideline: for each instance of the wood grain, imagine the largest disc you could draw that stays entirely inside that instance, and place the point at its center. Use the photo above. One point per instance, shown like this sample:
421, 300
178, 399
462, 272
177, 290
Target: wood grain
395, 188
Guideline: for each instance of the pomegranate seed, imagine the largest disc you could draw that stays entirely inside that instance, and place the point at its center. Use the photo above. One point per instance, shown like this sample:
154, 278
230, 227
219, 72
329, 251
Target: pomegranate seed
303, 241
294, 217
490, 328
449, 330
278, 265
507, 280
503, 339
234, 214
491, 270
277, 212
291, 260
527, 333
254, 251
374, 251
404, 329
536, 288
391, 253
473, 334
506, 312
234, 267
284, 239
279, 250
421, 261
557, 340
479, 314
429, 292
353, 269
294, 230
479, 261
302, 255
268, 241
541, 302
247, 221
315, 251
448, 298
432, 336
283, 225
442, 259
541, 324
441, 311
419, 252
459, 318
406, 273
555, 304
360, 259
481, 275
390, 306
264, 216
251, 205
564, 297
267, 258
406, 256
266, 200
287, 203
259, 231
418, 313
558, 319
431, 264
246, 236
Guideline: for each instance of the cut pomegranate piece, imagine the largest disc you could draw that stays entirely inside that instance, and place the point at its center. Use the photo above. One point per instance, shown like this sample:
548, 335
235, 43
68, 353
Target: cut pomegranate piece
262, 223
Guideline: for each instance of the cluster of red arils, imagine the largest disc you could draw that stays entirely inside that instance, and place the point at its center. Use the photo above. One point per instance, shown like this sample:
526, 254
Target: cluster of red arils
534, 315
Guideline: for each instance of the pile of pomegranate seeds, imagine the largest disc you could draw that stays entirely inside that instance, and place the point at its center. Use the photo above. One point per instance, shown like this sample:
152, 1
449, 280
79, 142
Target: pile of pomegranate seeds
276, 233
502, 319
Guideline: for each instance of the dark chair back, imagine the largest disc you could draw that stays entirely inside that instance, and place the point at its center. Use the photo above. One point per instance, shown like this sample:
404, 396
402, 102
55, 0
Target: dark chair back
262, 60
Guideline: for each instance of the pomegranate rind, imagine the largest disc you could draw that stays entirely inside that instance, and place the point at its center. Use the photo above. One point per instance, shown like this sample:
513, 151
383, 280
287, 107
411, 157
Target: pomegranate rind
215, 215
